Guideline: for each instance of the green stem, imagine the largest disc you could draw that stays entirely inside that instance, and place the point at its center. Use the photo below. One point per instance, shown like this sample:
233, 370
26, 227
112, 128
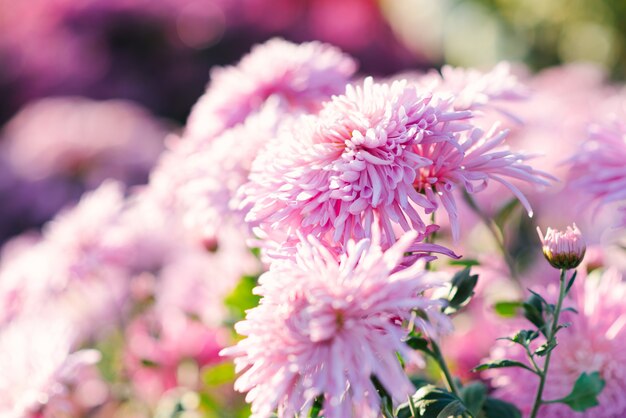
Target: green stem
438, 356
550, 339
496, 233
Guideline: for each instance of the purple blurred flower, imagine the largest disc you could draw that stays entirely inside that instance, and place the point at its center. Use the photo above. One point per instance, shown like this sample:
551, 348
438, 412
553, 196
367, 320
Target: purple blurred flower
325, 325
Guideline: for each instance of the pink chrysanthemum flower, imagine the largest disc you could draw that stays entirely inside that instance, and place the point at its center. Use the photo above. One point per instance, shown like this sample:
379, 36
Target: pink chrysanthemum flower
303, 75
593, 342
332, 175
470, 162
36, 362
598, 167
325, 325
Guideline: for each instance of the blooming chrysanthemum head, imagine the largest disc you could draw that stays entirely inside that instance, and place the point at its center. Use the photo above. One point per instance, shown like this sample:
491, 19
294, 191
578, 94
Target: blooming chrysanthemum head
331, 175
303, 75
563, 249
326, 324
469, 163
593, 342
598, 167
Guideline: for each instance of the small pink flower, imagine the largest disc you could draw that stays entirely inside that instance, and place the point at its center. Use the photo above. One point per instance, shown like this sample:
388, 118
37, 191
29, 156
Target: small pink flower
563, 249
326, 324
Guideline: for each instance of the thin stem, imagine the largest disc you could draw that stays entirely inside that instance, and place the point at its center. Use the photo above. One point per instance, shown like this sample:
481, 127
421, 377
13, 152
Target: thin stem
438, 356
496, 233
550, 338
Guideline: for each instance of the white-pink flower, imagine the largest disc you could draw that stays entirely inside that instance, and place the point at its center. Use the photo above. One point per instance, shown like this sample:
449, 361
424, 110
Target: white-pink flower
326, 324
598, 167
303, 75
335, 175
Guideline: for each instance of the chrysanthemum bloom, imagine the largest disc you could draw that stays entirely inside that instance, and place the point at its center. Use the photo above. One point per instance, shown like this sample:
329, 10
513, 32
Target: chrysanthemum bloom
598, 167
303, 75
36, 362
563, 249
332, 175
469, 162
593, 342
325, 326
214, 171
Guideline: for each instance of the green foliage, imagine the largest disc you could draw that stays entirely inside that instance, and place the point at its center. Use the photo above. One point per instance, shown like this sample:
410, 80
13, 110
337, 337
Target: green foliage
495, 408
432, 402
499, 364
241, 299
474, 396
219, 374
462, 290
584, 394
507, 309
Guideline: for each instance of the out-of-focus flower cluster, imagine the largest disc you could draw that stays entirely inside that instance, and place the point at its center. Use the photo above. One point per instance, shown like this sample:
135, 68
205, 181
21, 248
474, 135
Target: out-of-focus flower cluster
322, 212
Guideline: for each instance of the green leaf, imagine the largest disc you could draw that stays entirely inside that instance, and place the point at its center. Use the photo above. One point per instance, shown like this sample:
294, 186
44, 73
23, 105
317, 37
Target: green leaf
430, 402
584, 394
316, 409
533, 311
507, 309
473, 396
524, 337
500, 364
495, 408
571, 282
505, 212
241, 299
545, 348
417, 343
219, 374
466, 262
463, 284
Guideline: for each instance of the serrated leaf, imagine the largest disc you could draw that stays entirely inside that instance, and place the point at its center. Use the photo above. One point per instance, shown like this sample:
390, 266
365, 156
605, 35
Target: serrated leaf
495, 408
473, 396
584, 394
500, 364
507, 309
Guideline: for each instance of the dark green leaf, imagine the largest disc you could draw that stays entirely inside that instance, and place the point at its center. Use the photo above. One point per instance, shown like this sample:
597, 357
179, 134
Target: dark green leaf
545, 348
495, 408
317, 407
569, 309
473, 396
505, 212
417, 343
523, 337
544, 303
533, 311
453, 409
571, 282
507, 309
585, 393
429, 402
499, 364
463, 284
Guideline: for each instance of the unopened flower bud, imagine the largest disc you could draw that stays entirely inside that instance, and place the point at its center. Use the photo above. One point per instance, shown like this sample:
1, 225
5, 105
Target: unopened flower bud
563, 249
